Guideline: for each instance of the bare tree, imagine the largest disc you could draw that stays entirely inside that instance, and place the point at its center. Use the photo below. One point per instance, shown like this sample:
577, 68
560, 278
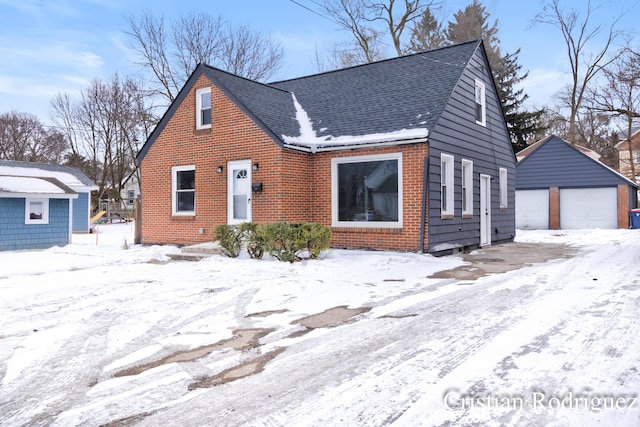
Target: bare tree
105, 126
369, 21
579, 35
171, 54
23, 137
619, 95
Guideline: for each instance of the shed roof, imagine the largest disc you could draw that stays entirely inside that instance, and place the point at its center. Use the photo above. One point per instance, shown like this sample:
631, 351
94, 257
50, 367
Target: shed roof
26, 186
69, 176
390, 101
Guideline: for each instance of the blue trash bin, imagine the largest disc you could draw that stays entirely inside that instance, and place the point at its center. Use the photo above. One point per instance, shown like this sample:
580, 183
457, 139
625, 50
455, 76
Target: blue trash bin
635, 218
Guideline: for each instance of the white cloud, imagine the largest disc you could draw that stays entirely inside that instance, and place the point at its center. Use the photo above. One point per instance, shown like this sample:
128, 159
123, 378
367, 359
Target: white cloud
543, 83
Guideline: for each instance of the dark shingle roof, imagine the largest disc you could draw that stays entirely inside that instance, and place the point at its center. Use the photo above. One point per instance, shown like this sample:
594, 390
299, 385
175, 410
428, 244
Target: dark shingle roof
393, 95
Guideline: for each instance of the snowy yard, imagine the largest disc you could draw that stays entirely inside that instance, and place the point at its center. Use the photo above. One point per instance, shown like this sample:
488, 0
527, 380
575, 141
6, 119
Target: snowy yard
93, 334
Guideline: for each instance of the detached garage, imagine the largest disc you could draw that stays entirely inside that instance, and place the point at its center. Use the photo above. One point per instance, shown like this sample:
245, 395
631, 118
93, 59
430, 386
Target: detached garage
562, 186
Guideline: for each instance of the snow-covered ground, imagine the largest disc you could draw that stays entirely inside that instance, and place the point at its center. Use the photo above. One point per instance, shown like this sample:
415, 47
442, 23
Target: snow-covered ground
93, 333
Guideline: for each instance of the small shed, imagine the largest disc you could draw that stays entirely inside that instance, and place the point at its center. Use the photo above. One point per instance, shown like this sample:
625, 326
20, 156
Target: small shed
73, 178
559, 186
35, 212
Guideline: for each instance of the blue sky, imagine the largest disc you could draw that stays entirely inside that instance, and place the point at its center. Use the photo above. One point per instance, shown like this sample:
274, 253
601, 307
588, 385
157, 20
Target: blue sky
52, 46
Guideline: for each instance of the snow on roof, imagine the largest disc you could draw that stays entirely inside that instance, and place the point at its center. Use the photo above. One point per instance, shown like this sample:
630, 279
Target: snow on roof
64, 177
311, 142
24, 185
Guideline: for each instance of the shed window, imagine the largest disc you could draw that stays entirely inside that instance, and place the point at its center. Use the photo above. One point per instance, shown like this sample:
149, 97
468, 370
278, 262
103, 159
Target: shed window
36, 211
480, 103
446, 185
183, 185
367, 191
203, 108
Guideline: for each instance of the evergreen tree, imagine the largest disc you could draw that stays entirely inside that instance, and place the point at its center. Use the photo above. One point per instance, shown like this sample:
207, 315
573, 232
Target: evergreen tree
472, 23
427, 33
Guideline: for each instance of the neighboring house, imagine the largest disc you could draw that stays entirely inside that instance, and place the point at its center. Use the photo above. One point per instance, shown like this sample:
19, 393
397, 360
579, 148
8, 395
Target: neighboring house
624, 158
130, 191
71, 177
35, 212
560, 187
410, 153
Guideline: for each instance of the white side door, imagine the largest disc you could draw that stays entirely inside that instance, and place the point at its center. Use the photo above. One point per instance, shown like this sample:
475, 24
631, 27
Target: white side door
239, 191
485, 210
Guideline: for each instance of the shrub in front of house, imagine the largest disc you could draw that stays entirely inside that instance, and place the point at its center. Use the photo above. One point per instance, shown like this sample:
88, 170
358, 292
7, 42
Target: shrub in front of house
284, 241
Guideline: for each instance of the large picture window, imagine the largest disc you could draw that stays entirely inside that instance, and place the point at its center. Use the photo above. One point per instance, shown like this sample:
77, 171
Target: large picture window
36, 211
183, 190
367, 191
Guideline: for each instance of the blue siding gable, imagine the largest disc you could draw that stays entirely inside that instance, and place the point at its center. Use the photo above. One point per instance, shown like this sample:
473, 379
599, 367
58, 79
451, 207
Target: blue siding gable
16, 235
558, 164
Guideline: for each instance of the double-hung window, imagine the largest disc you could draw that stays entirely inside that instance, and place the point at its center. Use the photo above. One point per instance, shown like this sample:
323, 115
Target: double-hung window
366, 191
36, 211
467, 188
203, 108
446, 185
503, 189
183, 190
480, 103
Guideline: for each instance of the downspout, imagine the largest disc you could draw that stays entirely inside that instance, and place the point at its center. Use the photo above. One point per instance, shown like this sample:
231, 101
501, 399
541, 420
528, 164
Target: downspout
423, 215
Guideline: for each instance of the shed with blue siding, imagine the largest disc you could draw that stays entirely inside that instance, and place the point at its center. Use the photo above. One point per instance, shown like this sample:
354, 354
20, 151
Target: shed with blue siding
73, 178
558, 186
35, 212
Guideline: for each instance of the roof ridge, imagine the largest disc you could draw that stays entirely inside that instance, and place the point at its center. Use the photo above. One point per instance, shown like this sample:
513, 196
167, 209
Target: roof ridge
337, 70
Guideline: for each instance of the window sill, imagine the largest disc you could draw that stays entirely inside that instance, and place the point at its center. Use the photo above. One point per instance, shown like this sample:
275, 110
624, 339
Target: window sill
183, 215
448, 216
467, 216
381, 230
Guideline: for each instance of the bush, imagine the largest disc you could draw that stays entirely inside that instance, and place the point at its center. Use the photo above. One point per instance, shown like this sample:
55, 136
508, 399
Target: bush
289, 241
230, 238
283, 240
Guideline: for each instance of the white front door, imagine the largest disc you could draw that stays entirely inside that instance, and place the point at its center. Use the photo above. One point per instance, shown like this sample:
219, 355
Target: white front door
239, 191
485, 210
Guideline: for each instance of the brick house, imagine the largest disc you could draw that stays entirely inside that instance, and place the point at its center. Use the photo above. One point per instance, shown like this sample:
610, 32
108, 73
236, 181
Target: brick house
410, 153
623, 155
562, 186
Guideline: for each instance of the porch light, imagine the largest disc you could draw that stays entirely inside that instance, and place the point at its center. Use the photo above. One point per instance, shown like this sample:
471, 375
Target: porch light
219, 169
255, 167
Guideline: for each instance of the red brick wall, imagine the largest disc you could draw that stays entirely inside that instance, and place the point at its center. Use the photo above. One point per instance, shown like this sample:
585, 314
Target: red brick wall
623, 206
233, 136
554, 208
296, 185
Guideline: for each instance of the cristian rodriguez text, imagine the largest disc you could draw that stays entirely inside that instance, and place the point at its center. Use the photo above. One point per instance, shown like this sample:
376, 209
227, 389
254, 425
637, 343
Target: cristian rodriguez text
538, 400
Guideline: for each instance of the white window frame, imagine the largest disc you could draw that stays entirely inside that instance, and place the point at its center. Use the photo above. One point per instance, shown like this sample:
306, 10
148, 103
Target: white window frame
174, 190
504, 202
45, 211
199, 107
335, 222
467, 187
480, 97
446, 185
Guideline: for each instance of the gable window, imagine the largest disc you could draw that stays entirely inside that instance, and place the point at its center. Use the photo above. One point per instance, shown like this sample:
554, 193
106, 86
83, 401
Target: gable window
36, 211
480, 103
446, 186
503, 188
366, 191
183, 190
467, 188
203, 108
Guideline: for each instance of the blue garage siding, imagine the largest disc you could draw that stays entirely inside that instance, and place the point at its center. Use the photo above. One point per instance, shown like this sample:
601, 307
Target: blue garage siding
16, 235
81, 213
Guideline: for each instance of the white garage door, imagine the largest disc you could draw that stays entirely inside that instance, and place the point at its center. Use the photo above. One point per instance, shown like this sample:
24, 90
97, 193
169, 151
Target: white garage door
582, 208
532, 209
